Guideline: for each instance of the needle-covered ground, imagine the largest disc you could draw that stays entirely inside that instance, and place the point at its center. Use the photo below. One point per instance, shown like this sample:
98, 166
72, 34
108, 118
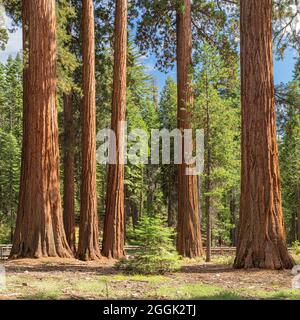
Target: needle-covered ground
73, 279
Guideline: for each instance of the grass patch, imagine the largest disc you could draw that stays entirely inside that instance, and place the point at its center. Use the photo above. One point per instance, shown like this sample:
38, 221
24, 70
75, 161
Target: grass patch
207, 292
54, 285
137, 278
280, 294
223, 260
196, 292
296, 258
93, 287
192, 261
216, 259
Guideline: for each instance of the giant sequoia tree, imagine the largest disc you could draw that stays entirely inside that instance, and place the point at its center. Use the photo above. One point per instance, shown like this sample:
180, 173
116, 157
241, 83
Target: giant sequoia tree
113, 237
188, 228
88, 247
261, 236
39, 228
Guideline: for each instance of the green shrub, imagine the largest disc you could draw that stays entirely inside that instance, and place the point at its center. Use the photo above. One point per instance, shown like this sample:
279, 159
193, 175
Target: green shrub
156, 253
4, 234
131, 236
296, 247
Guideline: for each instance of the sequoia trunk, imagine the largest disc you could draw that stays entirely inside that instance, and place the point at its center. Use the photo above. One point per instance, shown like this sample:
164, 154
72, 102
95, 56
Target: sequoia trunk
261, 236
39, 228
113, 237
189, 242
69, 174
88, 247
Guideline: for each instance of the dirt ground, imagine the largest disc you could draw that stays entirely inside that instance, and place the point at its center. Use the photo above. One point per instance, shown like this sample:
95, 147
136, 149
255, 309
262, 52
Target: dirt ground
73, 279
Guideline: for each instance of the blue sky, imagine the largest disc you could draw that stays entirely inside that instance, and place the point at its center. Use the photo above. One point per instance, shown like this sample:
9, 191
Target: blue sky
283, 69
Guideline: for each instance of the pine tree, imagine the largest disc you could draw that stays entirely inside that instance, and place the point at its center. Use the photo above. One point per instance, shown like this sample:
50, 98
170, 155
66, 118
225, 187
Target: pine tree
157, 253
167, 115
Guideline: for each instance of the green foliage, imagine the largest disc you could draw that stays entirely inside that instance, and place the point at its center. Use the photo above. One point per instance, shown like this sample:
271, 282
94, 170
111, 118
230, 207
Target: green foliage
285, 25
13, 9
3, 30
10, 141
67, 62
288, 118
168, 175
4, 233
152, 188
156, 28
296, 247
217, 111
156, 254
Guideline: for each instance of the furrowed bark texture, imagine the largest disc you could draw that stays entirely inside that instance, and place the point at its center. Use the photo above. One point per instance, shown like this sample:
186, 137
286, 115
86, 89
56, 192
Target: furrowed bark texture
261, 236
113, 237
189, 242
39, 228
88, 246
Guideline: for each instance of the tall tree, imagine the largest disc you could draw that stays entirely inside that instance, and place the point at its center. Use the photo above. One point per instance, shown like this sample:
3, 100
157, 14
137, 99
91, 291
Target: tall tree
69, 170
88, 247
168, 120
189, 242
39, 228
113, 237
261, 236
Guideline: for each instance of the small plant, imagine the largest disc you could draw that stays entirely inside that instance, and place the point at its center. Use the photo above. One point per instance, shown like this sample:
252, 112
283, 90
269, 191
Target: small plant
156, 253
4, 234
296, 247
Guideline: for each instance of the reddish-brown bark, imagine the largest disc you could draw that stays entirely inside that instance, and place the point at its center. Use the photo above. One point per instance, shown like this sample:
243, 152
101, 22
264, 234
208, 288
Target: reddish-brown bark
39, 228
261, 236
69, 171
113, 237
88, 247
189, 241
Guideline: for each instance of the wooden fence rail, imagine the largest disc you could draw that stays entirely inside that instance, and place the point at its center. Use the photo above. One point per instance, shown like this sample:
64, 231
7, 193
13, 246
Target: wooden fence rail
5, 250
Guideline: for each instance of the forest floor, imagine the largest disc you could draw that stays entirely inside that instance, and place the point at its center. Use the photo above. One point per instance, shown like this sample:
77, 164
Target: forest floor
73, 279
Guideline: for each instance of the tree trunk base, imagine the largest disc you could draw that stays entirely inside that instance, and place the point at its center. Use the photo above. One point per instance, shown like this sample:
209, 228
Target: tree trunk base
267, 256
113, 254
190, 251
89, 255
20, 251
